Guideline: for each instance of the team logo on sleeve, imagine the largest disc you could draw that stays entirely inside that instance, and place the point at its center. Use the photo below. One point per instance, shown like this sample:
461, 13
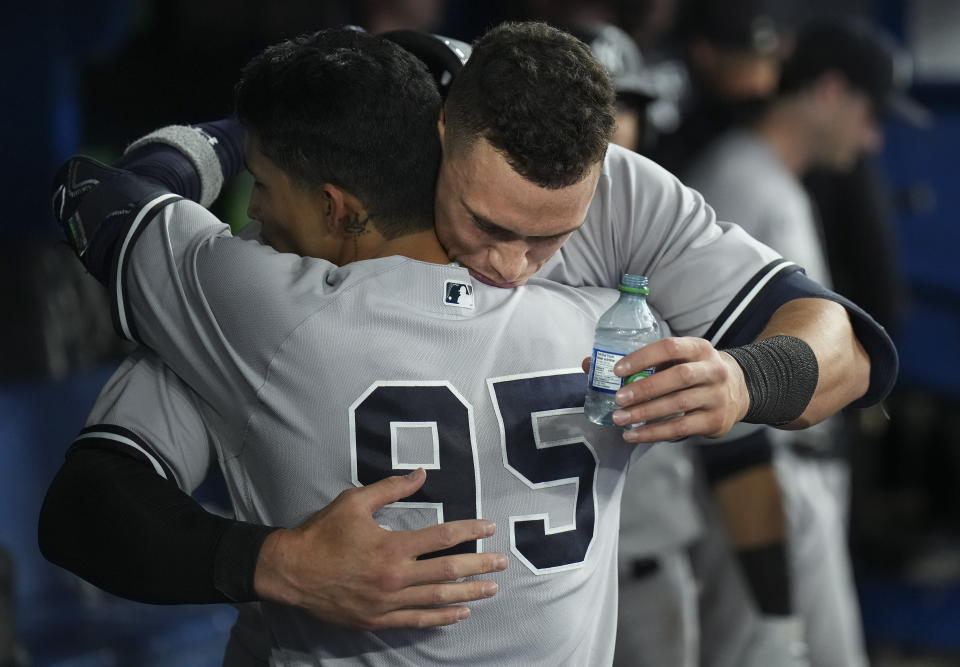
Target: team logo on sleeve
456, 293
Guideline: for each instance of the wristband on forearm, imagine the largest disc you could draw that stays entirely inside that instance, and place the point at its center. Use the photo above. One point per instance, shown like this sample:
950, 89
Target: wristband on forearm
781, 375
199, 160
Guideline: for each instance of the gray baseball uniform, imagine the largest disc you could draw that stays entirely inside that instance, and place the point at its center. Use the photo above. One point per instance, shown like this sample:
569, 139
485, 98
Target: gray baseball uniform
297, 362
740, 175
648, 223
744, 180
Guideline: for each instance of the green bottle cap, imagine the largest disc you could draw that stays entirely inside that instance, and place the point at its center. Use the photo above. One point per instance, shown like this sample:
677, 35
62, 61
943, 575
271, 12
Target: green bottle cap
634, 283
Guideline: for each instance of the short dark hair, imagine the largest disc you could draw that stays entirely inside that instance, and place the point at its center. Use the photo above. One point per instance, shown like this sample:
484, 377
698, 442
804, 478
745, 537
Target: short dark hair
539, 97
354, 110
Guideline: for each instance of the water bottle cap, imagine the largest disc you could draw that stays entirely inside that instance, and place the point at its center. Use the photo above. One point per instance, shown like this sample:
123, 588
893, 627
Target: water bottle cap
633, 283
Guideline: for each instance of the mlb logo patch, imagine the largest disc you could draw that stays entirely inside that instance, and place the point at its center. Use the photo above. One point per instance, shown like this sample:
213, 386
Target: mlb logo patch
456, 293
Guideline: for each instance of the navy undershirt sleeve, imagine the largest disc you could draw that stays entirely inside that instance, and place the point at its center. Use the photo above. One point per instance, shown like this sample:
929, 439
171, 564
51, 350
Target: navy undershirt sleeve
110, 519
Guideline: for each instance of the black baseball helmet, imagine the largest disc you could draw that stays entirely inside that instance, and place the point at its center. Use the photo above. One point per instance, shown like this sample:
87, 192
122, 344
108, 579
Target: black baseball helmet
443, 56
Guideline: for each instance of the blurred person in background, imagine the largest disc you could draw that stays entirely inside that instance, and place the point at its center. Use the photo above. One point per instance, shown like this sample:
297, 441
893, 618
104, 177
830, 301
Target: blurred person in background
855, 211
835, 89
732, 50
616, 51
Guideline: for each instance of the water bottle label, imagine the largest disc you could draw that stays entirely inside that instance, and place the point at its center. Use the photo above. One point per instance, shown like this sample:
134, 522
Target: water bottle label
604, 378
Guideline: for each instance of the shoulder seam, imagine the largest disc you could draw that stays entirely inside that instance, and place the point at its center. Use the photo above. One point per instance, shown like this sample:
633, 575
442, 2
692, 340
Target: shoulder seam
745, 297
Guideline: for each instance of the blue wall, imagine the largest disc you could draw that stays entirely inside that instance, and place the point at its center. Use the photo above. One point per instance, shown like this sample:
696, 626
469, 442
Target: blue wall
922, 167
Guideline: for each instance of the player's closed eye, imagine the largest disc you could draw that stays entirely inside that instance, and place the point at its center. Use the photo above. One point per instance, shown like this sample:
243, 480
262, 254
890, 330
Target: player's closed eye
492, 230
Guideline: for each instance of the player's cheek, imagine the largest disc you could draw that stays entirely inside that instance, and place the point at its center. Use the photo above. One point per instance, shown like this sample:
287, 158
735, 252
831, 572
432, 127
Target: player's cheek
452, 235
475, 248
537, 256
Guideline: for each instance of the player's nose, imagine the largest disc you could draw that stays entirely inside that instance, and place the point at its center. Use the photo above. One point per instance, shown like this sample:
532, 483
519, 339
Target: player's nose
509, 260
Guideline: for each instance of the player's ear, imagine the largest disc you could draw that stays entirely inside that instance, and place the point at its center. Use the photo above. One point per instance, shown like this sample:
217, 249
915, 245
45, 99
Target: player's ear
342, 210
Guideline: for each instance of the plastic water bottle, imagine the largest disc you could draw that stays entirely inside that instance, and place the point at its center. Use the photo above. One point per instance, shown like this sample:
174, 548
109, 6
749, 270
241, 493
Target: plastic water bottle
627, 326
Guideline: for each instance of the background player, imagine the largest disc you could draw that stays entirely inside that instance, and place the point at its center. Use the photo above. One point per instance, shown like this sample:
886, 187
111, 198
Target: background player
835, 88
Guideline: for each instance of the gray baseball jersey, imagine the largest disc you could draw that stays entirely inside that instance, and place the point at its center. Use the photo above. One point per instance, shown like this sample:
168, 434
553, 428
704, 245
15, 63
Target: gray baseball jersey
145, 406
744, 180
641, 220
641, 217
298, 363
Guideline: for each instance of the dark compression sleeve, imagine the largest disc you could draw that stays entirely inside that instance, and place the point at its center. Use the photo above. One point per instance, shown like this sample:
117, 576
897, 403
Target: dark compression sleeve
110, 519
